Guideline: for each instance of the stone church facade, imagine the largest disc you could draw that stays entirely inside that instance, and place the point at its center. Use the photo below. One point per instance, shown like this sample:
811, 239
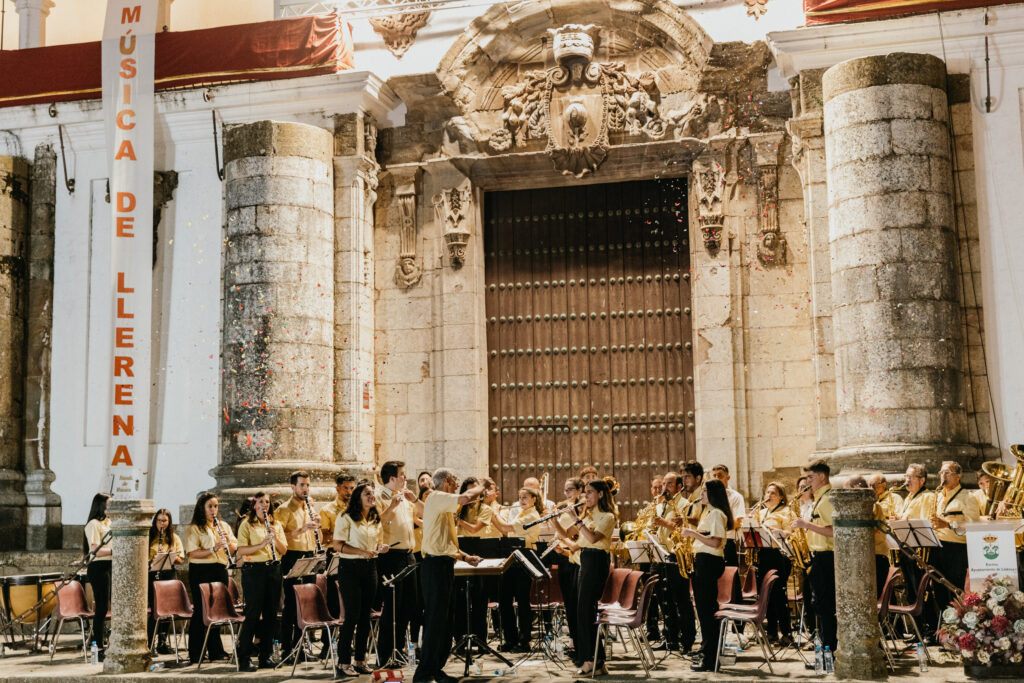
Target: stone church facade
589, 234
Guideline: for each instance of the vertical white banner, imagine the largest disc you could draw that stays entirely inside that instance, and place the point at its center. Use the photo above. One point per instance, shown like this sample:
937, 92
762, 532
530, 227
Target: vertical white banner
129, 56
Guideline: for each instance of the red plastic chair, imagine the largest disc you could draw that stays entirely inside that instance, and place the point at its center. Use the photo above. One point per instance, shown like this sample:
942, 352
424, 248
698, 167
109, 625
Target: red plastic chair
170, 602
71, 604
218, 610
311, 613
888, 634
749, 590
613, 587
236, 596
730, 616
628, 594
729, 586
634, 621
913, 611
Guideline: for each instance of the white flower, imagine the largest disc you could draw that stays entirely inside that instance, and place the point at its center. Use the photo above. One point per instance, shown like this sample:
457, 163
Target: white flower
983, 657
1018, 626
1003, 643
998, 611
1000, 593
971, 619
1018, 596
950, 616
1016, 658
992, 602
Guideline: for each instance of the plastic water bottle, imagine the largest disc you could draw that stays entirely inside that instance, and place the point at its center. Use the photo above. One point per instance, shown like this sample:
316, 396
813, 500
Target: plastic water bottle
829, 662
157, 666
277, 650
922, 657
819, 661
94, 653
477, 668
412, 654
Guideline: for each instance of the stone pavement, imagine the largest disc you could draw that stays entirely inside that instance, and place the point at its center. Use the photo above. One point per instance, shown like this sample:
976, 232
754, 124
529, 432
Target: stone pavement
68, 667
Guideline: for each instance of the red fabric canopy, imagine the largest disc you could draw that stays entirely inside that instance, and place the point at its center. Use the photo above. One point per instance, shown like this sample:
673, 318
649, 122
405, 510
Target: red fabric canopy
836, 11
285, 48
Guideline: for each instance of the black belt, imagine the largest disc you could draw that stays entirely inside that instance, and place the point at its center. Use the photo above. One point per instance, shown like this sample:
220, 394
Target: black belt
593, 550
357, 559
401, 550
815, 553
268, 563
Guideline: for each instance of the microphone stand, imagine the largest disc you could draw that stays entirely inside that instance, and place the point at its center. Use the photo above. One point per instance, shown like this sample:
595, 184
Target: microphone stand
397, 659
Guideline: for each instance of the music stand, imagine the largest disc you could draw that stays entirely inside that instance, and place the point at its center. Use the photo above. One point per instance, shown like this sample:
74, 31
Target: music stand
397, 659
162, 561
487, 567
304, 566
756, 536
913, 533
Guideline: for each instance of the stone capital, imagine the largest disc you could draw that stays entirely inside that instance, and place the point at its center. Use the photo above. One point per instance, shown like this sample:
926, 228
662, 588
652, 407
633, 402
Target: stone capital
766, 148
42, 6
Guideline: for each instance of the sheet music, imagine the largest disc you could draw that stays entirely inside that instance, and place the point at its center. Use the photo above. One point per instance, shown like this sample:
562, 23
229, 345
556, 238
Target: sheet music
163, 561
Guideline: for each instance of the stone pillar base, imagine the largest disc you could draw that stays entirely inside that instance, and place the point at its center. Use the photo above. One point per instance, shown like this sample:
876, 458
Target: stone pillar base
128, 650
894, 457
44, 530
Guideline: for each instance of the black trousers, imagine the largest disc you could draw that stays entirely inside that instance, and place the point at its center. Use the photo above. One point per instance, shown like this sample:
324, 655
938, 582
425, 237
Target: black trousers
778, 603
707, 569
437, 581
881, 573
358, 588
516, 619
415, 604
394, 618
203, 573
289, 631
567, 576
99, 578
594, 565
261, 585
162, 575
732, 558
680, 619
951, 561
822, 575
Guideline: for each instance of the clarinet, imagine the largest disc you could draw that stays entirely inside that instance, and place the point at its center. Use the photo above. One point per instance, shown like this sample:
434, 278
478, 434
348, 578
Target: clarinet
316, 532
270, 532
222, 536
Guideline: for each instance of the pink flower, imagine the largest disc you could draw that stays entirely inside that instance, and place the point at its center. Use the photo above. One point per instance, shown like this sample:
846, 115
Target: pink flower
972, 599
967, 642
1001, 625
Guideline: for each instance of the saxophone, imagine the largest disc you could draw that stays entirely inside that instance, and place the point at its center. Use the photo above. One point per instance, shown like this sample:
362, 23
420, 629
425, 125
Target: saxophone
925, 552
798, 540
684, 552
642, 523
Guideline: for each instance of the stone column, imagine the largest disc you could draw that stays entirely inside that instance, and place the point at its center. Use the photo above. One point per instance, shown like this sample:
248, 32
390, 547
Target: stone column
128, 651
898, 337
277, 341
14, 219
355, 186
44, 530
32, 22
859, 655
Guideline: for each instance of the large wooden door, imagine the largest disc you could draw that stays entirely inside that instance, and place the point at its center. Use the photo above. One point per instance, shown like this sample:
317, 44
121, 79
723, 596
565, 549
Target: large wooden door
589, 334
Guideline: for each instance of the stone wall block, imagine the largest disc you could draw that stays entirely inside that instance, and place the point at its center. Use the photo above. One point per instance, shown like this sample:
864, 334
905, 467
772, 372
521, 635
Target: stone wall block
877, 176
860, 142
920, 136
308, 170
268, 190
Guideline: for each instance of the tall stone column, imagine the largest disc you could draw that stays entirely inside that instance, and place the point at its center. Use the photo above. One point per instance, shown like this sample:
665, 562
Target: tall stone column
32, 16
859, 655
277, 341
898, 337
355, 191
44, 519
14, 219
128, 651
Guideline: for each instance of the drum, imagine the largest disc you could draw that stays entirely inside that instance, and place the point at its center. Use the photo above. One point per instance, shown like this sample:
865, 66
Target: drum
21, 593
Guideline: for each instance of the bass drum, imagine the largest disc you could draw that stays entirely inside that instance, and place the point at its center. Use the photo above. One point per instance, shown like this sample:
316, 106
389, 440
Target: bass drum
24, 592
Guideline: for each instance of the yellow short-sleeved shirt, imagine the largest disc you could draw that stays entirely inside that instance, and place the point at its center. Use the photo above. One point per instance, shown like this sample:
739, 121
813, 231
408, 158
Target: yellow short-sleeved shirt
693, 507
670, 510
329, 516
821, 515
163, 546
918, 505
778, 517
294, 515
881, 547
476, 512
364, 535
397, 531
712, 524
439, 537
891, 503
533, 533
94, 532
602, 523
958, 508
205, 539
981, 497
253, 534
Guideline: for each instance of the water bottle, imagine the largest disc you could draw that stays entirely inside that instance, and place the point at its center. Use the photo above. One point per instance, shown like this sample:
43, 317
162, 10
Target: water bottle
819, 661
829, 662
94, 653
157, 666
412, 654
277, 650
922, 657
477, 668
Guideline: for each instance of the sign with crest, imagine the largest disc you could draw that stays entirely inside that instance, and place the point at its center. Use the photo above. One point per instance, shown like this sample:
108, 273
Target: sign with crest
991, 551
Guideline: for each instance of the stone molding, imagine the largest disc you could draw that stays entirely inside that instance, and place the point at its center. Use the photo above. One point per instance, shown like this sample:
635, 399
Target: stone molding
398, 31
408, 271
771, 242
452, 207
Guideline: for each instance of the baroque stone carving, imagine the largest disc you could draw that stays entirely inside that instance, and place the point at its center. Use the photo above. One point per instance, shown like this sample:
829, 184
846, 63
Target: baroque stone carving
771, 243
407, 271
709, 190
575, 105
452, 208
399, 30
756, 8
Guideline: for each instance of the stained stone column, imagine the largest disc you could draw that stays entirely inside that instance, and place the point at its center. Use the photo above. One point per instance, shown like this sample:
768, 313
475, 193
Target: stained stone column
14, 218
44, 519
128, 651
859, 655
32, 16
277, 341
898, 337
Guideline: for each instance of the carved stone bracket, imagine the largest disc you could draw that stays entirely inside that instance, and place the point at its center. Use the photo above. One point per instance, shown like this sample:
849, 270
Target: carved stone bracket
399, 30
408, 271
452, 208
709, 190
771, 243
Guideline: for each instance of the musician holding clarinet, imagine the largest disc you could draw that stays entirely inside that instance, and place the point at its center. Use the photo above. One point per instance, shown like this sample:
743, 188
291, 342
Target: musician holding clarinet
210, 546
262, 542
302, 531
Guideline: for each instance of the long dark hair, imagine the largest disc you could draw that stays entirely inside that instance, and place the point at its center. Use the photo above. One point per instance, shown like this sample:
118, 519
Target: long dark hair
98, 510
475, 505
251, 514
604, 495
538, 504
717, 498
199, 511
355, 505
154, 533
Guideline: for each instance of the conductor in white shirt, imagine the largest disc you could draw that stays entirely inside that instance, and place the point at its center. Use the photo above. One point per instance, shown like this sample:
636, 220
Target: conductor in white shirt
739, 509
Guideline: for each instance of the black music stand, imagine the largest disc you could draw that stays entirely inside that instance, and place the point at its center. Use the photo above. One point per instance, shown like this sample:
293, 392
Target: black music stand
397, 659
488, 567
162, 561
304, 566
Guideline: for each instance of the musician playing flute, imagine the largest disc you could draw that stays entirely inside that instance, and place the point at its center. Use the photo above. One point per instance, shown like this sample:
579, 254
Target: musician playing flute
261, 580
208, 542
776, 514
398, 508
300, 530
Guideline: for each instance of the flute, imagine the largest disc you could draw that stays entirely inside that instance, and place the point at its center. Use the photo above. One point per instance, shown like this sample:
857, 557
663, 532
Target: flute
554, 514
316, 532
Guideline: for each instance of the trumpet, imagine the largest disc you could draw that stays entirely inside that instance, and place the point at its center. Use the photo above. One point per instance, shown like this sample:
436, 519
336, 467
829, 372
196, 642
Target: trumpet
223, 537
316, 532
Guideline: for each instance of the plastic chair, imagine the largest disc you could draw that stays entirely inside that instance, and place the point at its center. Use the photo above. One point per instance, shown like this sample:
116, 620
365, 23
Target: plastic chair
613, 587
729, 616
71, 604
728, 586
311, 613
170, 602
236, 596
913, 611
218, 610
888, 634
749, 590
634, 622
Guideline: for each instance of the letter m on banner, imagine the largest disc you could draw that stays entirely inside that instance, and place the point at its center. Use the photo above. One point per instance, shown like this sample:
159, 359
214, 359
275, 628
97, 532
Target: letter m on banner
129, 58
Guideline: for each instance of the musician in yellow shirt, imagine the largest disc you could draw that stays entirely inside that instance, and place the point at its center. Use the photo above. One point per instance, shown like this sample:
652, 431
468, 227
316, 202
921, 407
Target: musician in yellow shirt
516, 582
955, 507
261, 580
776, 514
208, 543
162, 541
822, 573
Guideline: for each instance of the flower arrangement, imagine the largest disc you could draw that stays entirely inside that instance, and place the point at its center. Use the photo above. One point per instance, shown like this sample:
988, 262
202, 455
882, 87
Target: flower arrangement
988, 628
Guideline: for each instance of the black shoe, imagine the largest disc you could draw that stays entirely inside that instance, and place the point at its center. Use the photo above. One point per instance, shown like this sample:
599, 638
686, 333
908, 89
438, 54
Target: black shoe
246, 666
700, 667
445, 678
164, 649
507, 647
101, 655
363, 669
266, 663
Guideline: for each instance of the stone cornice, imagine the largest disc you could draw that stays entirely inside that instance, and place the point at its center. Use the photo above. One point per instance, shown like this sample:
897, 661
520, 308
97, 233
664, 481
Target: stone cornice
956, 37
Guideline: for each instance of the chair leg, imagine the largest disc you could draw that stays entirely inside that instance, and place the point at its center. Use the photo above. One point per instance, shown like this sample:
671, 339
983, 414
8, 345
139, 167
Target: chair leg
641, 655
301, 644
597, 645
152, 641
202, 652
766, 648
721, 641
174, 635
53, 644
234, 645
